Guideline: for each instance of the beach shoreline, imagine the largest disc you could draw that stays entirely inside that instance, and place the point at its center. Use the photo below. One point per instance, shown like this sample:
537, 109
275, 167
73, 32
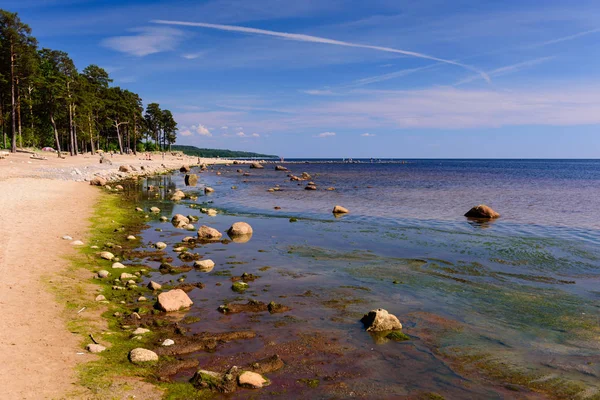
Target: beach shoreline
42, 201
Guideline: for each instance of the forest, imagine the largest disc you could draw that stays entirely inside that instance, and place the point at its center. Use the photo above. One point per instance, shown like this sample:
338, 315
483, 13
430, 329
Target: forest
45, 101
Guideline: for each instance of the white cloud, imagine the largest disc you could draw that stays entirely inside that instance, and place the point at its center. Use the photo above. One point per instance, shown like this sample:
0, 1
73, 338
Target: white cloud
241, 134
185, 132
317, 39
148, 40
244, 135
224, 127
255, 135
367, 134
317, 92
325, 134
202, 130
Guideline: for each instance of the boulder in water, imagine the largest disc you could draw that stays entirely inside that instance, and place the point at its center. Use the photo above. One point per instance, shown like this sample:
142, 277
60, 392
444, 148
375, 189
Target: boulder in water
256, 165
180, 221
208, 233
380, 320
184, 168
174, 300
482, 211
240, 229
191, 179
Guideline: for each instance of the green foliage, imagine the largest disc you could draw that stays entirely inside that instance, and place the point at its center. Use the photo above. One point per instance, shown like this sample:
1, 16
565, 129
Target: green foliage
46, 101
213, 153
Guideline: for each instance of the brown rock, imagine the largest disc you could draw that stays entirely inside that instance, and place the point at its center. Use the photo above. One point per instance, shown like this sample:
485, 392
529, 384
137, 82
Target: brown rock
98, 181
208, 233
380, 320
180, 221
174, 300
340, 210
191, 179
310, 187
124, 168
482, 211
178, 195
280, 168
184, 168
256, 165
252, 380
240, 229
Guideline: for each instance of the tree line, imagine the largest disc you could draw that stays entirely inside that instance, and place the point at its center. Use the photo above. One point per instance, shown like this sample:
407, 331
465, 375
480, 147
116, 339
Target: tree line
46, 101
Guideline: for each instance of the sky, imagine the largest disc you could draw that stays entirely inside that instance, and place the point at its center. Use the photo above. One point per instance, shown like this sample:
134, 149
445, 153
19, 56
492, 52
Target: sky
336, 78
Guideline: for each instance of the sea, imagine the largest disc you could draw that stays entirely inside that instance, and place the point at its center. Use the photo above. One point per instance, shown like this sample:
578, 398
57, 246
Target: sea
508, 308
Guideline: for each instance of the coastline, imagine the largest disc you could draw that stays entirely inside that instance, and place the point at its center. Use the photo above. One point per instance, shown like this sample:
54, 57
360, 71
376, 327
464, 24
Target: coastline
42, 201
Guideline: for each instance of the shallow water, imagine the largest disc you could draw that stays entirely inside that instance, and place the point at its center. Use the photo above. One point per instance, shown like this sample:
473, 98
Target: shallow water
521, 291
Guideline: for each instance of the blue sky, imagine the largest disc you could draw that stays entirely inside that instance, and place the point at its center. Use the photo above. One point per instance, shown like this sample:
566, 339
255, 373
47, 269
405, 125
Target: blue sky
333, 78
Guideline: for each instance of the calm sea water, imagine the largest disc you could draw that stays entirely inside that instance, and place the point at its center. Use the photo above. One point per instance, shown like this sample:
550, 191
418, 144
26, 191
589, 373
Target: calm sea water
523, 289
541, 197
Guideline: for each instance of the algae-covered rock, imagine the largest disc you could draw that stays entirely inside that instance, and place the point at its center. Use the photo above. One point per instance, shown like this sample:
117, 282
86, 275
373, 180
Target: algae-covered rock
239, 287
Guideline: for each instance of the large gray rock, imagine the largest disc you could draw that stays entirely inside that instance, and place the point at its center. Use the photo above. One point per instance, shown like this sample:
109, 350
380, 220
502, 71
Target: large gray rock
174, 300
180, 221
380, 320
208, 233
140, 355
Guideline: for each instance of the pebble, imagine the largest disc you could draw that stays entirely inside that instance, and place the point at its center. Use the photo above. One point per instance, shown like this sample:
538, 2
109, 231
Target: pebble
118, 265
100, 297
168, 342
140, 331
141, 298
67, 237
103, 273
95, 348
130, 237
160, 245
77, 243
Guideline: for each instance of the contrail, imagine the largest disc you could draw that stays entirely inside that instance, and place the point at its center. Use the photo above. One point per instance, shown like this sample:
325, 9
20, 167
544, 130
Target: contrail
317, 39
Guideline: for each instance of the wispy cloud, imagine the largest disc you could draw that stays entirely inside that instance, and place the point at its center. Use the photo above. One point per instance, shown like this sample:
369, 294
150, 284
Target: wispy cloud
202, 130
325, 134
199, 129
245, 135
368, 134
191, 56
507, 69
317, 39
148, 40
566, 38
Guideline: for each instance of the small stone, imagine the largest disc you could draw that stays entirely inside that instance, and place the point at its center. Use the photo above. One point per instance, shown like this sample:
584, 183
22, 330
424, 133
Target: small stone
189, 227
124, 276
155, 210
160, 245
163, 219
131, 237
95, 348
141, 355
67, 238
252, 380
204, 265
141, 298
211, 212
208, 190
138, 209
154, 286
239, 287
107, 255
168, 342
103, 273
140, 331
100, 297
118, 265
340, 210
180, 221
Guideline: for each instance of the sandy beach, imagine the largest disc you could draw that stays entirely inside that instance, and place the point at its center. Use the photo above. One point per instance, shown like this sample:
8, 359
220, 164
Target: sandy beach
41, 201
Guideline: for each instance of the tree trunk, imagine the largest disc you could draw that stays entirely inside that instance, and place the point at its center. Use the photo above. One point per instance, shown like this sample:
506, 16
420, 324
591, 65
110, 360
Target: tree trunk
91, 134
30, 89
71, 137
75, 130
119, 137
55, 133
19, 115
13, 146
134, 136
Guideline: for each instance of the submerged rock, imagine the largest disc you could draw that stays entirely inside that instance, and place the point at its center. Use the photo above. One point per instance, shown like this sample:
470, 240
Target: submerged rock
340, 210
141, 355
256, 165
482, 211
174, 300
239, 287
208, 190
310, 187
380, 320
